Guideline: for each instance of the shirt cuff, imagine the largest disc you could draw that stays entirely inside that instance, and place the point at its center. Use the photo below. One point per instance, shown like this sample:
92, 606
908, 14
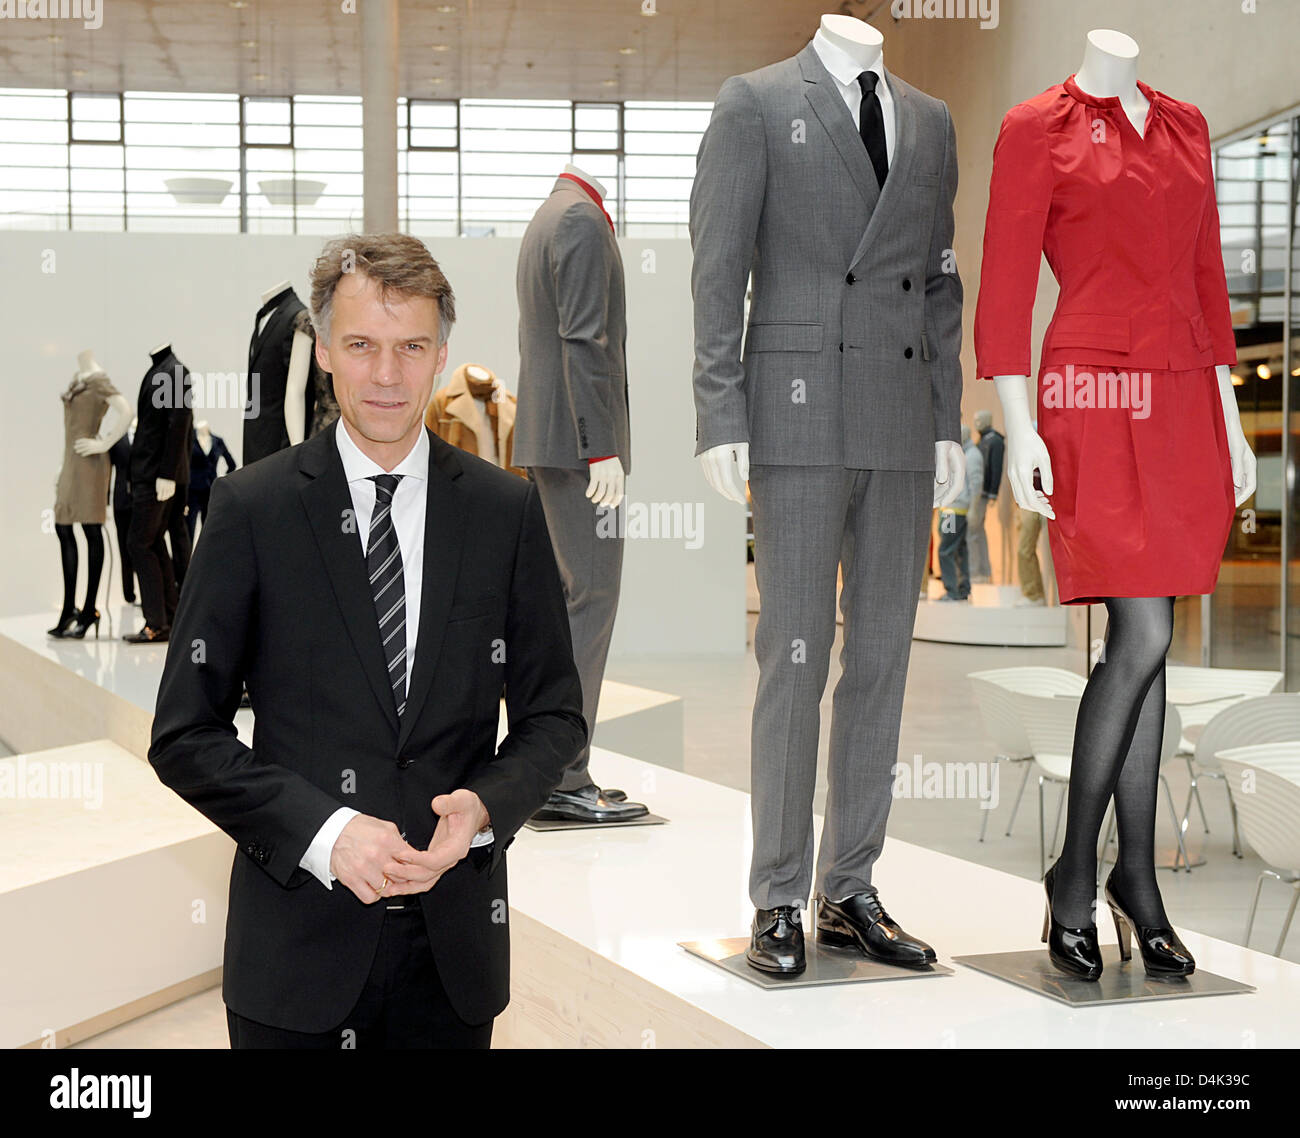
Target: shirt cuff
317, 858
483, 839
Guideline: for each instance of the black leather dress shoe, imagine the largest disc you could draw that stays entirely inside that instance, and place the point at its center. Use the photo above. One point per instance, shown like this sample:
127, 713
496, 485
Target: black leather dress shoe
148, 635
776, 941
587, 804
861, 920
613, 795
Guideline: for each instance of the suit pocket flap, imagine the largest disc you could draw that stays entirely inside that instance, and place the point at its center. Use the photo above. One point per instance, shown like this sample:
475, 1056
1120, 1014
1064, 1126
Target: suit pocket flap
1091, 330
784, 338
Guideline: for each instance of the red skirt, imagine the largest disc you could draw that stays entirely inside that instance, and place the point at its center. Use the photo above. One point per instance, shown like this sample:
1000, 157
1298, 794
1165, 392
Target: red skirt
1142, 482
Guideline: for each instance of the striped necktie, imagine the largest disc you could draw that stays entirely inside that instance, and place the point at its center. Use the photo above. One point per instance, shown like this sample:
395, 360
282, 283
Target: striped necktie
384, 560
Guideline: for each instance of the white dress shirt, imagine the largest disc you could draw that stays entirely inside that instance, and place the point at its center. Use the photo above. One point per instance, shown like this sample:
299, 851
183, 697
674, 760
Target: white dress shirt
408, 521
844, 70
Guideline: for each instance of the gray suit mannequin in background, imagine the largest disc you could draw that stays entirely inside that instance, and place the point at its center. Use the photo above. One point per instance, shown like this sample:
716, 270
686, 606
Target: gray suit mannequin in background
833, 181
573, 437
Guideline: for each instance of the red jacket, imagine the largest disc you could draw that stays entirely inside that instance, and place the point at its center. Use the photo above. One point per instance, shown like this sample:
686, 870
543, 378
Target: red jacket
1130, 226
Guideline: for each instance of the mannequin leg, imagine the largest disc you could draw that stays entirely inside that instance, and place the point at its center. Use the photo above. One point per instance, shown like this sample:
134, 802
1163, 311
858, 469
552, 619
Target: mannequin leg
179, 536
122, 524
799, 520
94, 564
883, 557
68, 558
590, 561
149, 555
1137, 639
1135, 812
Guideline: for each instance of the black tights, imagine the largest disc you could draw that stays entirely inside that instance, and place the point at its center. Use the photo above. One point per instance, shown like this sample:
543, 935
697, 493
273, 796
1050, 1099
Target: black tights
1117, 743
94, 566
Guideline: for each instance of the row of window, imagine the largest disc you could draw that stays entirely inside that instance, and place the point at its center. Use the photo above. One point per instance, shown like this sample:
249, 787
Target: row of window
145, 161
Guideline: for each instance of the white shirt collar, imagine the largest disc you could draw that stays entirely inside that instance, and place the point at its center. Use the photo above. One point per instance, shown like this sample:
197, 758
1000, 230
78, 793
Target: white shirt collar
358, 465
843, 66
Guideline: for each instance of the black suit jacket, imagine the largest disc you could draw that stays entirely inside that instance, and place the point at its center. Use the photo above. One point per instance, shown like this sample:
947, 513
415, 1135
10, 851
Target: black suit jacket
161, 446
277, 596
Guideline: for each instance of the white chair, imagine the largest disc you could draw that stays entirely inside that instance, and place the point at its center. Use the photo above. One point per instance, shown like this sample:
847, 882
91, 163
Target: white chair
1049, 722
1263, 719
993, 696
1201, 693
1264, 781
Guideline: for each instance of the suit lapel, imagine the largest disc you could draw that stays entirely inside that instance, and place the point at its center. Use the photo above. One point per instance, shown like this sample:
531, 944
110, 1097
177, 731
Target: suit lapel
900, 169
444, 540
328, 502
823, 94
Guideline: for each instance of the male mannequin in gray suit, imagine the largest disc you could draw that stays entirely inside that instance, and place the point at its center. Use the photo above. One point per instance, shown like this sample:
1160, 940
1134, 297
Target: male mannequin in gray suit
834, 182
573, 438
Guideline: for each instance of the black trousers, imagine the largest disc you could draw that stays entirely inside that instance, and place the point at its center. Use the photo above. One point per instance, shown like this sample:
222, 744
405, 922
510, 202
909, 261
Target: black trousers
178, 534
159, 591
403, 1003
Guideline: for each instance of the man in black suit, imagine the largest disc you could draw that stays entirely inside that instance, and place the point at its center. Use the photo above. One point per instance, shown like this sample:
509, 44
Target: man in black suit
374, 760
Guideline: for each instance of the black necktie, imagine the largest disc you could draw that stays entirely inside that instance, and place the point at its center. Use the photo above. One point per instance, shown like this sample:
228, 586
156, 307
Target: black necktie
871, 125
384, 560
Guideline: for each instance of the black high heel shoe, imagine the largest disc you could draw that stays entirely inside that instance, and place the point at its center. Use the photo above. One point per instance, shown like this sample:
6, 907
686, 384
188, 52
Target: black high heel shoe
60, 629
77, 631
1074, 951
1163, 954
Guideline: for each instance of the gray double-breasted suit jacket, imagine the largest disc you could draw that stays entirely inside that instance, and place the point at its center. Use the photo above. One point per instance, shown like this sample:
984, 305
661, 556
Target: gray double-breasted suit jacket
852, 352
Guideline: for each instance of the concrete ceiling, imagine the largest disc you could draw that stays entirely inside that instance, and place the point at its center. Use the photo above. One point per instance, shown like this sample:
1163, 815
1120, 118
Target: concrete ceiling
510, 49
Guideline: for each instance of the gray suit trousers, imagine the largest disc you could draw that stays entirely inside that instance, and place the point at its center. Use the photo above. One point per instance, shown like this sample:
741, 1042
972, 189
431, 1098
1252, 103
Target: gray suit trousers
591, 565
808, 521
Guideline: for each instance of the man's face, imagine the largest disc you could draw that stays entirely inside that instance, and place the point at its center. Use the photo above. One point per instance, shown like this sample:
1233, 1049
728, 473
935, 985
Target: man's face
384, 358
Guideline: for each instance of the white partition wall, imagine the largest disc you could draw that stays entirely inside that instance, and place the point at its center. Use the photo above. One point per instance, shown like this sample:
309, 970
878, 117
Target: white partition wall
123, 294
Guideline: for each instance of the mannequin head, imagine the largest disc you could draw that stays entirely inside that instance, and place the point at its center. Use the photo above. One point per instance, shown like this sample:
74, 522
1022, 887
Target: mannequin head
383, 310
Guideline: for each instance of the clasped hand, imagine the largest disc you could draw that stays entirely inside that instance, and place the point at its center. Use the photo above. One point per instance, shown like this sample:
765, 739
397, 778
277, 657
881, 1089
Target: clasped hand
372, 859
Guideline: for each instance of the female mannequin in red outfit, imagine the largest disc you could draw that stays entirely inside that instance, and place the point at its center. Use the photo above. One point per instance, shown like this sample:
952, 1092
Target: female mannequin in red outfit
1114, 181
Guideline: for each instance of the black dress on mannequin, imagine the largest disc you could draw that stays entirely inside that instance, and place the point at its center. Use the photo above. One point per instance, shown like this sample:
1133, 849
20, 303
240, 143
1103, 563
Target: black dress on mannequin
161, 449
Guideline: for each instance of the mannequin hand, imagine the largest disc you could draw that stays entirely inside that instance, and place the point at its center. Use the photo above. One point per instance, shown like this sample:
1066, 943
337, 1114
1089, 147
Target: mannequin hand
949, 471
89, 446
1026, 452
727, 469
1243, 466
164, 488
606, 487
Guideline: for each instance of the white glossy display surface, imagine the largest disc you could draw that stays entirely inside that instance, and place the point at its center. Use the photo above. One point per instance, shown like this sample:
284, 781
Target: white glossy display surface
631, 895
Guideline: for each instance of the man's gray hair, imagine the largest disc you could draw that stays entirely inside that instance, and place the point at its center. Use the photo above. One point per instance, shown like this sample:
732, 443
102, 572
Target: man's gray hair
400, 264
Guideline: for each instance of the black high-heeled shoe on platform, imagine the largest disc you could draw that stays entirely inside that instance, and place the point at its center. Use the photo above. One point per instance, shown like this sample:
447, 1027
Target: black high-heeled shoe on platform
1073, 951
77, 630
1163, 954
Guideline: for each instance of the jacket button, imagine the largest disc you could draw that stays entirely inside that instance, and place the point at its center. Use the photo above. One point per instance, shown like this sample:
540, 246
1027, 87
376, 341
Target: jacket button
851, 279
907, 285
907, 353
841, 345
405, 761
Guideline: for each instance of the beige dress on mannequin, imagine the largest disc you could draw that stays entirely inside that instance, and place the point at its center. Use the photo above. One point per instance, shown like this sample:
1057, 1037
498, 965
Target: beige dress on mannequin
81, 491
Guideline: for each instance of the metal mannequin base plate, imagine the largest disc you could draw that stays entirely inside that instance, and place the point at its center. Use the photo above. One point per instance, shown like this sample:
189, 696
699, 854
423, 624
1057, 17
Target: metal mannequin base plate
1120, 983
826, 965
570, 824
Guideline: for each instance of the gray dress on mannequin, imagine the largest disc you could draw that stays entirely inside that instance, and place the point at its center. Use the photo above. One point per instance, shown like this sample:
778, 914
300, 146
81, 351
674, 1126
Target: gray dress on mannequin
81, 490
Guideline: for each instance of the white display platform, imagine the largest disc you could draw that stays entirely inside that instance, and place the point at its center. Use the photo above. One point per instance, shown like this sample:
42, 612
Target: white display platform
596, 918
991, 616
112, 894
